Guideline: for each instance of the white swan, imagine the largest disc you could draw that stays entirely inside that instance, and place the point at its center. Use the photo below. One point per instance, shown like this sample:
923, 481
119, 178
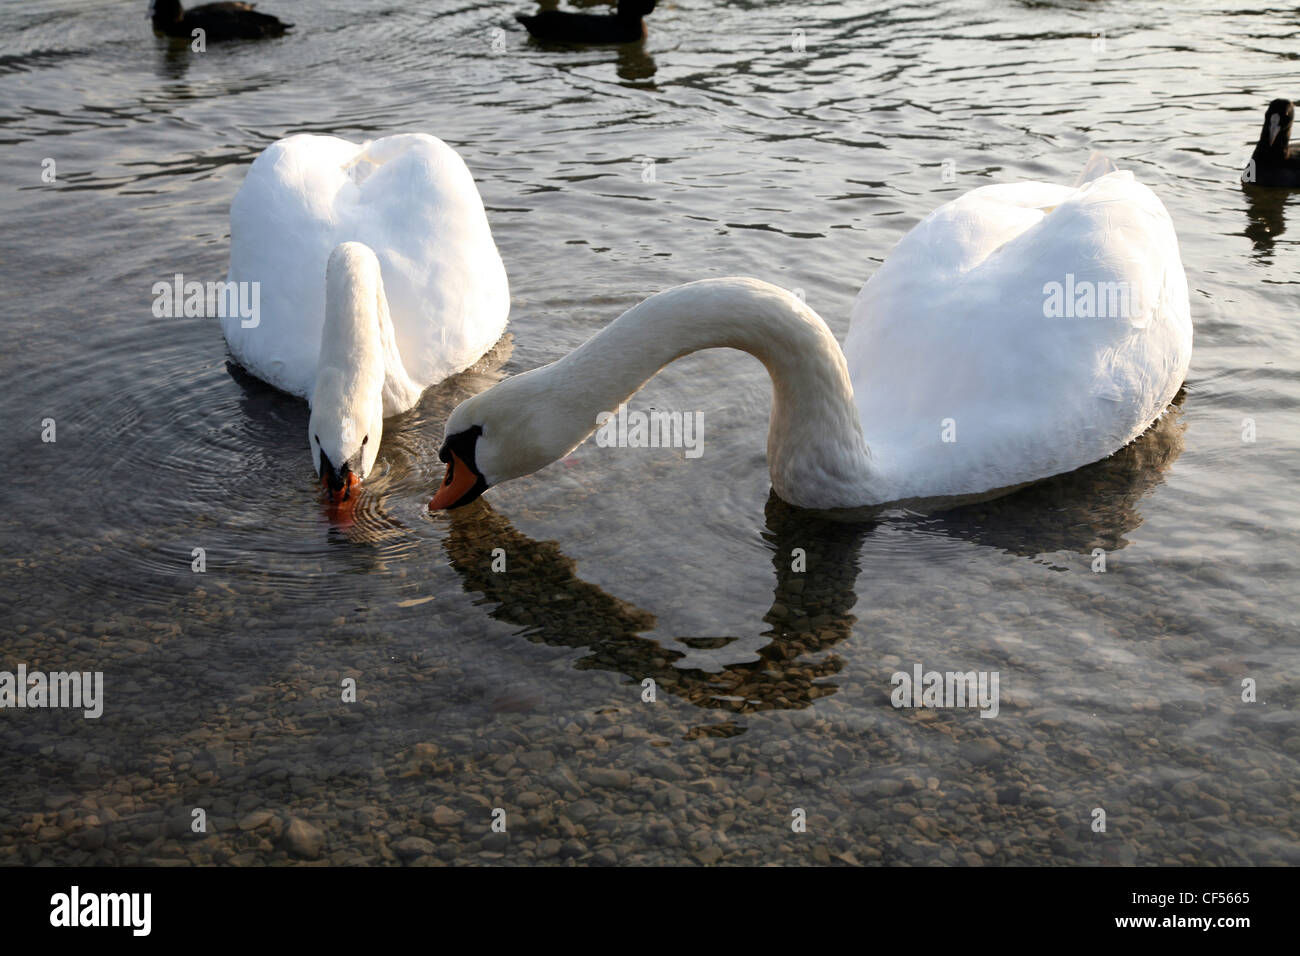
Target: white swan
378, 277
976, 359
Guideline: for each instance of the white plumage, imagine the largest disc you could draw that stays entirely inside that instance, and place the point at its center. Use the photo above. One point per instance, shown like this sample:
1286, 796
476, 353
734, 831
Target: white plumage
412, 201
958, 326
1017, 332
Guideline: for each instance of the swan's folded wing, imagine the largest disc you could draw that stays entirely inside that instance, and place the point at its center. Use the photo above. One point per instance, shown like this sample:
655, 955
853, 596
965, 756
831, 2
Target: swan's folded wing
412, 200
420, 210
1018, 332
281, 238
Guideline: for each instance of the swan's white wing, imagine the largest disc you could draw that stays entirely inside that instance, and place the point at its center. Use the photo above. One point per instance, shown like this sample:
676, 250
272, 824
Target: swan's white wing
954, 337
280, 238
411, 199
421, 213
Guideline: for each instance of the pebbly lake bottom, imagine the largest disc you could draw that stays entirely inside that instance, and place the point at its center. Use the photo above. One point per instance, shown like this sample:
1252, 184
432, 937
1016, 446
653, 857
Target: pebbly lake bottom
247, 721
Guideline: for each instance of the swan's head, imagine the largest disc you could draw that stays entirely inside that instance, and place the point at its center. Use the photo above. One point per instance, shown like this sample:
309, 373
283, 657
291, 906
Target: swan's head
345, 429
515, 428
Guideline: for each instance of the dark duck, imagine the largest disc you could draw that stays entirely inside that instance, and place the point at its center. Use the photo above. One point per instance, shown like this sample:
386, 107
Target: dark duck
624, 26
218, 21
1274, 162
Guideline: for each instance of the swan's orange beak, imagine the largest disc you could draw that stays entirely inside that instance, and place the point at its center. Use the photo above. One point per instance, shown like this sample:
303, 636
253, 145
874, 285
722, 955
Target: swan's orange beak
342, 485
346, 492
340, 502
459, 481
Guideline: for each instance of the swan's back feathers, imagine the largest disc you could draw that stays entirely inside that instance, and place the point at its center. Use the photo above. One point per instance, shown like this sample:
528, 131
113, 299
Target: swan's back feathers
1020, 331
412, 200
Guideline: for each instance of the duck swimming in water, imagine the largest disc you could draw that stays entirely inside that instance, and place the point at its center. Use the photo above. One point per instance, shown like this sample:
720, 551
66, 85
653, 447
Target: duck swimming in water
218, 21
624, 26
1274, 162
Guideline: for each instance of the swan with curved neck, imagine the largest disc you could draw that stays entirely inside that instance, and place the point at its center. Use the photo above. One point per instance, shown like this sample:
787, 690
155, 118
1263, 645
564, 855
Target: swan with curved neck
960, 375
815, 447
378, 277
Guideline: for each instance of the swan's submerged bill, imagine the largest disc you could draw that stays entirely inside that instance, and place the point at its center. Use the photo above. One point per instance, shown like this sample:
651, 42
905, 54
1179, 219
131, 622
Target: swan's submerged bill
961, 372
378, 277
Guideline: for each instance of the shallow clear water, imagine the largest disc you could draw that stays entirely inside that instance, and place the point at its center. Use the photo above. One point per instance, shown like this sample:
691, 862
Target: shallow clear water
1119, 690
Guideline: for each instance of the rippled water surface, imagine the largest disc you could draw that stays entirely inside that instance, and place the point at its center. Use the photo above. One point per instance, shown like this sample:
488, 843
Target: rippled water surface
523, 690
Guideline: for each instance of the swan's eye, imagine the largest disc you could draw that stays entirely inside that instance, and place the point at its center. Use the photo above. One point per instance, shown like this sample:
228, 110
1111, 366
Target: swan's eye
317, 437
366, 439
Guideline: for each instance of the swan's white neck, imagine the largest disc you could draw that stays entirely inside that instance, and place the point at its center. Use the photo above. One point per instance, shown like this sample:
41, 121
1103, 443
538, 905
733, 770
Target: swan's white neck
360, 378
815, 449
358, 342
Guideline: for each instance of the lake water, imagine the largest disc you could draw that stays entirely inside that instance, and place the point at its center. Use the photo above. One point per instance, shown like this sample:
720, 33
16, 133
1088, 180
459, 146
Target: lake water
797, 157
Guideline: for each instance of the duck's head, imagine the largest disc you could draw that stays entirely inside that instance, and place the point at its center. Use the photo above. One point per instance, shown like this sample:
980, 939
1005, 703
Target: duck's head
515, 428
635, 9
164, 11
1276, 134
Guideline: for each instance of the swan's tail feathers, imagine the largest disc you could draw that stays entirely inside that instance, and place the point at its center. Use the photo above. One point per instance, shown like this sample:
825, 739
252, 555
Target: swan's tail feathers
1098, 165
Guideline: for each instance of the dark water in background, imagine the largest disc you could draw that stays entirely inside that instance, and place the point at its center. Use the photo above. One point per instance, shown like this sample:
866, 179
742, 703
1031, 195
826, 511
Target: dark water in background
1119, 690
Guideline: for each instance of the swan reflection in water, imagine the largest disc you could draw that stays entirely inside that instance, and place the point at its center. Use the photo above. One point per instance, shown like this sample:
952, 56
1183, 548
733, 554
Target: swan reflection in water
811, 612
